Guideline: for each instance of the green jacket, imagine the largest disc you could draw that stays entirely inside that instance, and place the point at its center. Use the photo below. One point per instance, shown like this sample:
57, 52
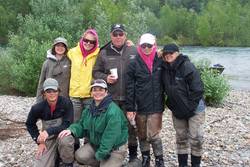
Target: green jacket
106, 130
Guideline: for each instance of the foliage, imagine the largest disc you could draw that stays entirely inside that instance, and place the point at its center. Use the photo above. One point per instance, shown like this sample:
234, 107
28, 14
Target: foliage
8, 21
31, 26
216, 86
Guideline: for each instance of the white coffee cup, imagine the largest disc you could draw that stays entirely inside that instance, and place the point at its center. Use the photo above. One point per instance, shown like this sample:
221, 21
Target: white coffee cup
114, 73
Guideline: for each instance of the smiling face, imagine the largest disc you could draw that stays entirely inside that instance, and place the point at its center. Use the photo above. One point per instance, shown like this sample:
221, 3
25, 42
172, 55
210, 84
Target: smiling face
147, 48
60, 49
98, 94
89, 41
118, 38
51, 95
170, 57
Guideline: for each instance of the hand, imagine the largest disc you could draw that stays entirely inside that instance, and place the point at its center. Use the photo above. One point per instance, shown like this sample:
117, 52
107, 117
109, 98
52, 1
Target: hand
131, 115
42, 136
111, 79
129, 43
64, 133
131, 118
160, 53
41, 150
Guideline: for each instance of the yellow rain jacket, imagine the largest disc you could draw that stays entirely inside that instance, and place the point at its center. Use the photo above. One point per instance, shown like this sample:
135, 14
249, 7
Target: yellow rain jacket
81, 72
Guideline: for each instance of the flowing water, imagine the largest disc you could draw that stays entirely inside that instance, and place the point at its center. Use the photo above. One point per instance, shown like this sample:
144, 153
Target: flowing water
236, 61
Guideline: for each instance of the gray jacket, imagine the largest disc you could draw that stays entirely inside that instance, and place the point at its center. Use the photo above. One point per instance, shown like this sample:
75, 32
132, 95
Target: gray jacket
111, 58
57, 69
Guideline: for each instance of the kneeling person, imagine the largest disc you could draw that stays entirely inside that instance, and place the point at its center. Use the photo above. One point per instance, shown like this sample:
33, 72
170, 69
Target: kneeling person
105, 126
56, 114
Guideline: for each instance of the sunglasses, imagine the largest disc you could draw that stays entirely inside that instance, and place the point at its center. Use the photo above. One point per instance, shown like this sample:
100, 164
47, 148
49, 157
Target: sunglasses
89, 41
51, 91
146, 45
116, 34
167, 53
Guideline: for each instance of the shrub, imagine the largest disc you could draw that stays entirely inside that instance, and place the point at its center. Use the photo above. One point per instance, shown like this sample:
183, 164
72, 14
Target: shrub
216, 85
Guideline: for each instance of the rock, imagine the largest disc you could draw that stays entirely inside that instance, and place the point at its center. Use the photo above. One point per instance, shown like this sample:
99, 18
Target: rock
227, 138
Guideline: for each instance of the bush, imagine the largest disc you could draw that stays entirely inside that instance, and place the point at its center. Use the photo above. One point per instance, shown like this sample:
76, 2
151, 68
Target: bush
216, 85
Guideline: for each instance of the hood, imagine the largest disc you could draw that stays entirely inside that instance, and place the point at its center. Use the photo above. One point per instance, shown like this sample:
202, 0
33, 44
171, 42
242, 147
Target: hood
50, 55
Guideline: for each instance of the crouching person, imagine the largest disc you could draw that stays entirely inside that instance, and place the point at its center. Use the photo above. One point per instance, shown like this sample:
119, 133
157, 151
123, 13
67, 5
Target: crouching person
56, 114
105, 126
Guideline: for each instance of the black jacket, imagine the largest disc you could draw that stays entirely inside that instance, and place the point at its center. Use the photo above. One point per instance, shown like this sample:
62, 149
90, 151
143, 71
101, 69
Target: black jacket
110, 58
144, 92
41, 110
183, 87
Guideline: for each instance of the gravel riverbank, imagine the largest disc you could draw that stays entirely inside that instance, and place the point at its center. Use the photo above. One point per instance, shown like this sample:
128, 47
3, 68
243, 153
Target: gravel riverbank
227, 133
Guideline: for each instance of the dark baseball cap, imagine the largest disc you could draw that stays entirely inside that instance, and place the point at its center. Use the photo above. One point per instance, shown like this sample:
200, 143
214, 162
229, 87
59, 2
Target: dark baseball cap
117, 27
170, 48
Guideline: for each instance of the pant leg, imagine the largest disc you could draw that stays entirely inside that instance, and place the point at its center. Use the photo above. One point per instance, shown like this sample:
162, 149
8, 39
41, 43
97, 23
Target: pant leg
181, 129
66, 148
78, 107
85, 155
48, 159
141, 123
196, 133
154, 126
116, 158
132, 137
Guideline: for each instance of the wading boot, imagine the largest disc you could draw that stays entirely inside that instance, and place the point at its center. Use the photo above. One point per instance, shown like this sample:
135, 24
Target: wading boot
183, 160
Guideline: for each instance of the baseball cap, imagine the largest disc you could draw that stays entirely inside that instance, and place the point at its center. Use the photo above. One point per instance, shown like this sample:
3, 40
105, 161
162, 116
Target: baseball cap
116, 27
50, 83
99, 83
170, 48
60, 40
147, 38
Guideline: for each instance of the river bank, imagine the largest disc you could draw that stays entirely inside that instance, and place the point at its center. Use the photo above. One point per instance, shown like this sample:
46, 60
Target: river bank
227, 133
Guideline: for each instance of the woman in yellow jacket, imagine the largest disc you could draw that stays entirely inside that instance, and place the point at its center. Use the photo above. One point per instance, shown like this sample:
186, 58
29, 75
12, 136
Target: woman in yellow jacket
83, 58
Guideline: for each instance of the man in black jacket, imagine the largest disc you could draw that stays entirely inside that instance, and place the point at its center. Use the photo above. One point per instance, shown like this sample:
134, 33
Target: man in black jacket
56, 114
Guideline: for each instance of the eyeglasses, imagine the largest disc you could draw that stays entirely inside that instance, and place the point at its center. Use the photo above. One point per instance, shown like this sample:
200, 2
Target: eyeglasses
146, 45
89, 41
116, 34
51, 91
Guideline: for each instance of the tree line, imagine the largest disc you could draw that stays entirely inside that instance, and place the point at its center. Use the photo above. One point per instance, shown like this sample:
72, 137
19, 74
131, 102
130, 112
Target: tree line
187, 22
28, 28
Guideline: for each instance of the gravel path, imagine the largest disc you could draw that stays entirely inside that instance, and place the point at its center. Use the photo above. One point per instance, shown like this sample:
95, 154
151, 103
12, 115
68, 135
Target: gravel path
227, 133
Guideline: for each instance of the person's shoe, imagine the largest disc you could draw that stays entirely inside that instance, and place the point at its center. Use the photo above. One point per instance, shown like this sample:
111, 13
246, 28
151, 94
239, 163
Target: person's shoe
183, 160
159, 162
146, 159
134, 162
132, 152
195, 161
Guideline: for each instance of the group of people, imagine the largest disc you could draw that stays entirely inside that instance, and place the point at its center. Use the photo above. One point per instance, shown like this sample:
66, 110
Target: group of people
114, 98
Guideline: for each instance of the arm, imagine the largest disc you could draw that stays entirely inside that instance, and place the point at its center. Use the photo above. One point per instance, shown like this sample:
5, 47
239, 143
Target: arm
40, 83
77, 128
195, 86
99, 69
31, 124
110, 135
130, 80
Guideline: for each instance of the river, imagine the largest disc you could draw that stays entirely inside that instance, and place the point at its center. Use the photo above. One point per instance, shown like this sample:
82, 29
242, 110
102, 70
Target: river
236, 61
